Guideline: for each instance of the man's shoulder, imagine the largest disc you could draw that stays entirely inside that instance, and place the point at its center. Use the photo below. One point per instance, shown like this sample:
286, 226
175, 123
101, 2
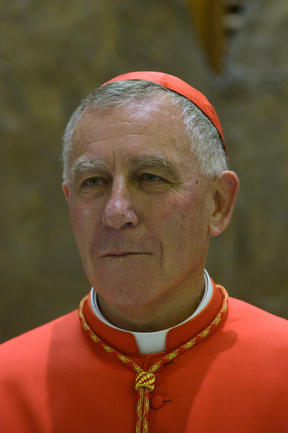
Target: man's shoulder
34, 343
240, 308
254, 323
255, 345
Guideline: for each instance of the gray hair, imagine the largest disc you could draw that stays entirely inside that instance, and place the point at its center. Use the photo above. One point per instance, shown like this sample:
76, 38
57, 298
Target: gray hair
206, 143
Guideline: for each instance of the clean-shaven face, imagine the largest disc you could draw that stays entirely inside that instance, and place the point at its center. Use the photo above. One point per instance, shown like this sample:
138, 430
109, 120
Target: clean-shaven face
139, 206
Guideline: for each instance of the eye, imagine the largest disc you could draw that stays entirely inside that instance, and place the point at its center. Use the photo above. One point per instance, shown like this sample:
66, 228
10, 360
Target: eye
94, 181
152, 178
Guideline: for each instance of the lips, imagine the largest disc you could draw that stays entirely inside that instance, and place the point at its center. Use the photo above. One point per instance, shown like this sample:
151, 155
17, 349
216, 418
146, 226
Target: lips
120, 253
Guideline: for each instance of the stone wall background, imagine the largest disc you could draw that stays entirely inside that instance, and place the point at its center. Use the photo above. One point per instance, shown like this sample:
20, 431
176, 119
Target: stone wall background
51, 55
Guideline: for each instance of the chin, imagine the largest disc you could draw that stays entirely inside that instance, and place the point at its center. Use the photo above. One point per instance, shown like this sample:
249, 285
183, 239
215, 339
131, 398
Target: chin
124, 294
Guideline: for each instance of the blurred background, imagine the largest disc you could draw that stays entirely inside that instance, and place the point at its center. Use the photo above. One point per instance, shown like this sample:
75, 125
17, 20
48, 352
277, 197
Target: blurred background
52, 54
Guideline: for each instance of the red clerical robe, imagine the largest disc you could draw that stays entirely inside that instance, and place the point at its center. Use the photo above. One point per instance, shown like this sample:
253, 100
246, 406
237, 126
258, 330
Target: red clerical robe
55, 379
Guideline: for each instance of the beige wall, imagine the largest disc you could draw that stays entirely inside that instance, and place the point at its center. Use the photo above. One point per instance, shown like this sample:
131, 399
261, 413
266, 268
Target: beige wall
52, 56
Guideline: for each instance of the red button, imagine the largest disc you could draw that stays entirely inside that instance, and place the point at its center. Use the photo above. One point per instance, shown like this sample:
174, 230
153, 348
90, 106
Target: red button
156, 401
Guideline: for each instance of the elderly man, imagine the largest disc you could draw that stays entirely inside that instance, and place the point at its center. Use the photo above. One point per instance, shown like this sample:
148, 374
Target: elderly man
159, 347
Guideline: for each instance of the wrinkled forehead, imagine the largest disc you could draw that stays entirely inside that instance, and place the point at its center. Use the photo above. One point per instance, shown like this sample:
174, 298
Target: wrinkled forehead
139, 129
153, 115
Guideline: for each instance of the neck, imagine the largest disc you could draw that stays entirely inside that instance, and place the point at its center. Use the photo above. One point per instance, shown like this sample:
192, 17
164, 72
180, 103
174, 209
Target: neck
161, 314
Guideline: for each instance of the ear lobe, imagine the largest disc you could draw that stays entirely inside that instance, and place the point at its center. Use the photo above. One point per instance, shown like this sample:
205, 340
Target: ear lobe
65, 189
224, 200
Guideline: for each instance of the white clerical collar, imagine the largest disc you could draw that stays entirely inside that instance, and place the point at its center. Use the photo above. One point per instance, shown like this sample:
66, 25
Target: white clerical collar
154, 342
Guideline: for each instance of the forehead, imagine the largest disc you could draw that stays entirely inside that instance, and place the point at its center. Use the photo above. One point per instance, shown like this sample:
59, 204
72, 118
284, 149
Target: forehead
153, 124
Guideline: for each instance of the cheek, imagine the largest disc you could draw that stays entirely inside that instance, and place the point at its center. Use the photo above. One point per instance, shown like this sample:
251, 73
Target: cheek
183, 220
171, 219
175, 210
83, 218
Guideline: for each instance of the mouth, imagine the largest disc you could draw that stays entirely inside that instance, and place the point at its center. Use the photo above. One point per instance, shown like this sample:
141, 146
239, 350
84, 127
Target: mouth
121, 253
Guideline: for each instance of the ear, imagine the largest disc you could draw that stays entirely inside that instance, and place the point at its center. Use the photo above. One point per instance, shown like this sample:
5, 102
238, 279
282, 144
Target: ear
225, 193
66, 191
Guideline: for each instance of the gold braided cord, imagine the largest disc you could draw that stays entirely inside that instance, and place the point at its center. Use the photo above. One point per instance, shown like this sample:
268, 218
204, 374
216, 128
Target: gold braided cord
145, 380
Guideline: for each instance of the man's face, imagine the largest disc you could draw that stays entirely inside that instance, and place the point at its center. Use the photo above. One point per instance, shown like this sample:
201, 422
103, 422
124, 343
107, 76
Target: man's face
139, 206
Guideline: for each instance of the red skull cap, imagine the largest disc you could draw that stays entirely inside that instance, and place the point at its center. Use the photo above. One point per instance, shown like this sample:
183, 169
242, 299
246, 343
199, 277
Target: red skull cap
179, 86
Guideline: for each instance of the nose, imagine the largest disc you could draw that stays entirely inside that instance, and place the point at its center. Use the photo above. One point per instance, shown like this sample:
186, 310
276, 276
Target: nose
119, 213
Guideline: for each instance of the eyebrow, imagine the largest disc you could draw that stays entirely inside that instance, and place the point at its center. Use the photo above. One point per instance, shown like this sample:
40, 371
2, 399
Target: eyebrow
82, 165
160, 162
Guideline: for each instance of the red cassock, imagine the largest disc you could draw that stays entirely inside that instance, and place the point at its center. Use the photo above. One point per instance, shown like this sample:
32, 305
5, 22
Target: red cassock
55, 379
